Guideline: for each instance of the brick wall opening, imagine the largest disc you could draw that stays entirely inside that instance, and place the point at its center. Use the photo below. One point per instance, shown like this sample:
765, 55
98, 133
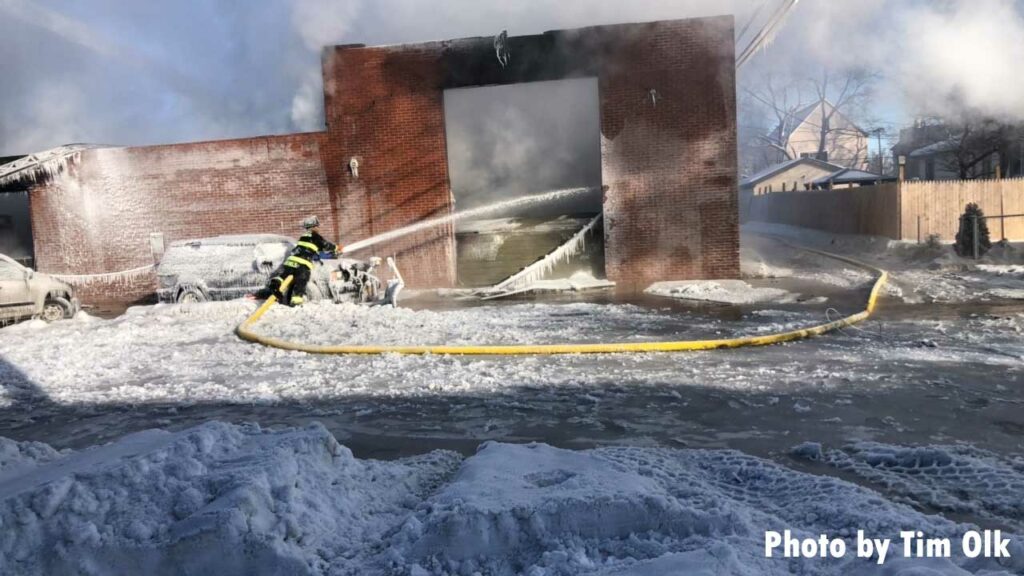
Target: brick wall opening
506, 142
667, 95
15, 226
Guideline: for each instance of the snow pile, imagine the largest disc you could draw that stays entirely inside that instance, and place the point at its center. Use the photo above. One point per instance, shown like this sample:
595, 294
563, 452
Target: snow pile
960, 479
213, 499
222, 499
22, 455
721, 292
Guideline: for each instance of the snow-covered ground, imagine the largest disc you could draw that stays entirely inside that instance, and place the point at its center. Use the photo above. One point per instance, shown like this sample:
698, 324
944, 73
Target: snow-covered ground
725, 292
921, 407
223, 499
921, 273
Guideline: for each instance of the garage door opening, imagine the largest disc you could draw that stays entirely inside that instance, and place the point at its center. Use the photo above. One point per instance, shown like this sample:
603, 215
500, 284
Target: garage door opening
506, 142
16, 226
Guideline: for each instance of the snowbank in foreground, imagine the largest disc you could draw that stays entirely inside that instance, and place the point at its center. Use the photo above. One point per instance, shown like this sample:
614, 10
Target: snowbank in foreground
959, 479
222, 499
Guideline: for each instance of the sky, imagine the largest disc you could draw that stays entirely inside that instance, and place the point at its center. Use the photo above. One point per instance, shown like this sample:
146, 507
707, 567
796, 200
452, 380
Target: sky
125, 72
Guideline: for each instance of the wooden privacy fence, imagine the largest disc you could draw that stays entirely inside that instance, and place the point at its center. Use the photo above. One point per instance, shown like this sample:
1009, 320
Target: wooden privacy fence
934, 207
905, 210
870, 210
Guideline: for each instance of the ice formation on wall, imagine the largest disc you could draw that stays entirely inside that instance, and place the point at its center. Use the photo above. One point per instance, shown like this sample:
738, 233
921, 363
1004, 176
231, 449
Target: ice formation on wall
123, 275
541, 268
42, 165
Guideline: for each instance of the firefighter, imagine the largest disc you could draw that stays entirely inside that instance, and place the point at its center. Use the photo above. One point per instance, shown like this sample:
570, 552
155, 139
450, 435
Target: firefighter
299, 264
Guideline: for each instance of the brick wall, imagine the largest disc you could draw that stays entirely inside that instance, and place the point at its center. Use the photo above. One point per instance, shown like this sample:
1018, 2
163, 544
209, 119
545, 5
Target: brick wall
669, 158
384, 107
96, 216
667, 93
668, 161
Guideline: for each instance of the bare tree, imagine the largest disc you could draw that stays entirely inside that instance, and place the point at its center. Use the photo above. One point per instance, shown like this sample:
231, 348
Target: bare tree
784, 96
972, 143
782, 99
849, 93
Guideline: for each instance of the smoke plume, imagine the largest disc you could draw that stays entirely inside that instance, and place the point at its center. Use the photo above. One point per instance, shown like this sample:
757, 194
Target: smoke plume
127, 72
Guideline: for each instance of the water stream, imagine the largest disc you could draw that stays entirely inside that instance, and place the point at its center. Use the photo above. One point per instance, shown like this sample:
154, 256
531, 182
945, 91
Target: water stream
475, 212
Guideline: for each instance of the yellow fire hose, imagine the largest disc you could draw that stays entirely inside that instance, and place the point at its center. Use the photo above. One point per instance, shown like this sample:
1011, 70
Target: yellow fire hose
244, 331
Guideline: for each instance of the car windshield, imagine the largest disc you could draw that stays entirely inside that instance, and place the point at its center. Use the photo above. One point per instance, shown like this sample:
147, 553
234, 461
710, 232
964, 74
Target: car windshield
11, 271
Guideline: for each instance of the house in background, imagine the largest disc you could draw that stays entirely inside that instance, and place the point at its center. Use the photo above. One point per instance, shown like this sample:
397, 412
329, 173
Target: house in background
938, 161
849, 178
799, 136
788, 176
934, 150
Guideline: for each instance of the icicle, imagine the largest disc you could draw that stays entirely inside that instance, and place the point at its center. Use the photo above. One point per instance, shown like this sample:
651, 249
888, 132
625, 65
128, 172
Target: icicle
42, 166
541, 268
104, 278
767, 35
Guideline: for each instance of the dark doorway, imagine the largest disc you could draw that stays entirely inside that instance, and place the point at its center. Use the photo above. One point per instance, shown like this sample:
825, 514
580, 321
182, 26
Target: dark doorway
16, 226
517, 140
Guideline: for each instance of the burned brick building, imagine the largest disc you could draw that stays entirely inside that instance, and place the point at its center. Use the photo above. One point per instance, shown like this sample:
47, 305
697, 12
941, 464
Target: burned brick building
668, 160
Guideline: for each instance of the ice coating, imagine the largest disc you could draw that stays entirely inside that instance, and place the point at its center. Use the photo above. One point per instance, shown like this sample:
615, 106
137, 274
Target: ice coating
541, 268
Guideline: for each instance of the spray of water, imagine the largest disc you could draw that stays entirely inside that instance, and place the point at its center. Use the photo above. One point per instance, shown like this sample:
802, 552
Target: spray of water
481, 211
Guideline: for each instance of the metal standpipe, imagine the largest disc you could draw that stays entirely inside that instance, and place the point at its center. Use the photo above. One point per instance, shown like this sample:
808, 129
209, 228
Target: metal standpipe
244, 331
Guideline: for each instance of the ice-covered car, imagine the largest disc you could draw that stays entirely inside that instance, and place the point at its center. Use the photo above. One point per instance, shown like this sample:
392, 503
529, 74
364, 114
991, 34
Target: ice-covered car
225, 267
25, 293
228, 267
360, 282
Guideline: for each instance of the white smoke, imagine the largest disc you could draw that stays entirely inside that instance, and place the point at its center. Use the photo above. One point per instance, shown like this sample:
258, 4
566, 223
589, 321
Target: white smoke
964, 56
142, 73
940, 57
319, 23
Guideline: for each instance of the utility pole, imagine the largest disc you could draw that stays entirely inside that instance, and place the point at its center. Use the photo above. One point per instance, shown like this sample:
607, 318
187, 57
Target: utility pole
881, 159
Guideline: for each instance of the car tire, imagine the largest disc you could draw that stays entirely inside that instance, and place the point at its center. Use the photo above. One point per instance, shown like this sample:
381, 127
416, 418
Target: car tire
190, 295
56, 308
